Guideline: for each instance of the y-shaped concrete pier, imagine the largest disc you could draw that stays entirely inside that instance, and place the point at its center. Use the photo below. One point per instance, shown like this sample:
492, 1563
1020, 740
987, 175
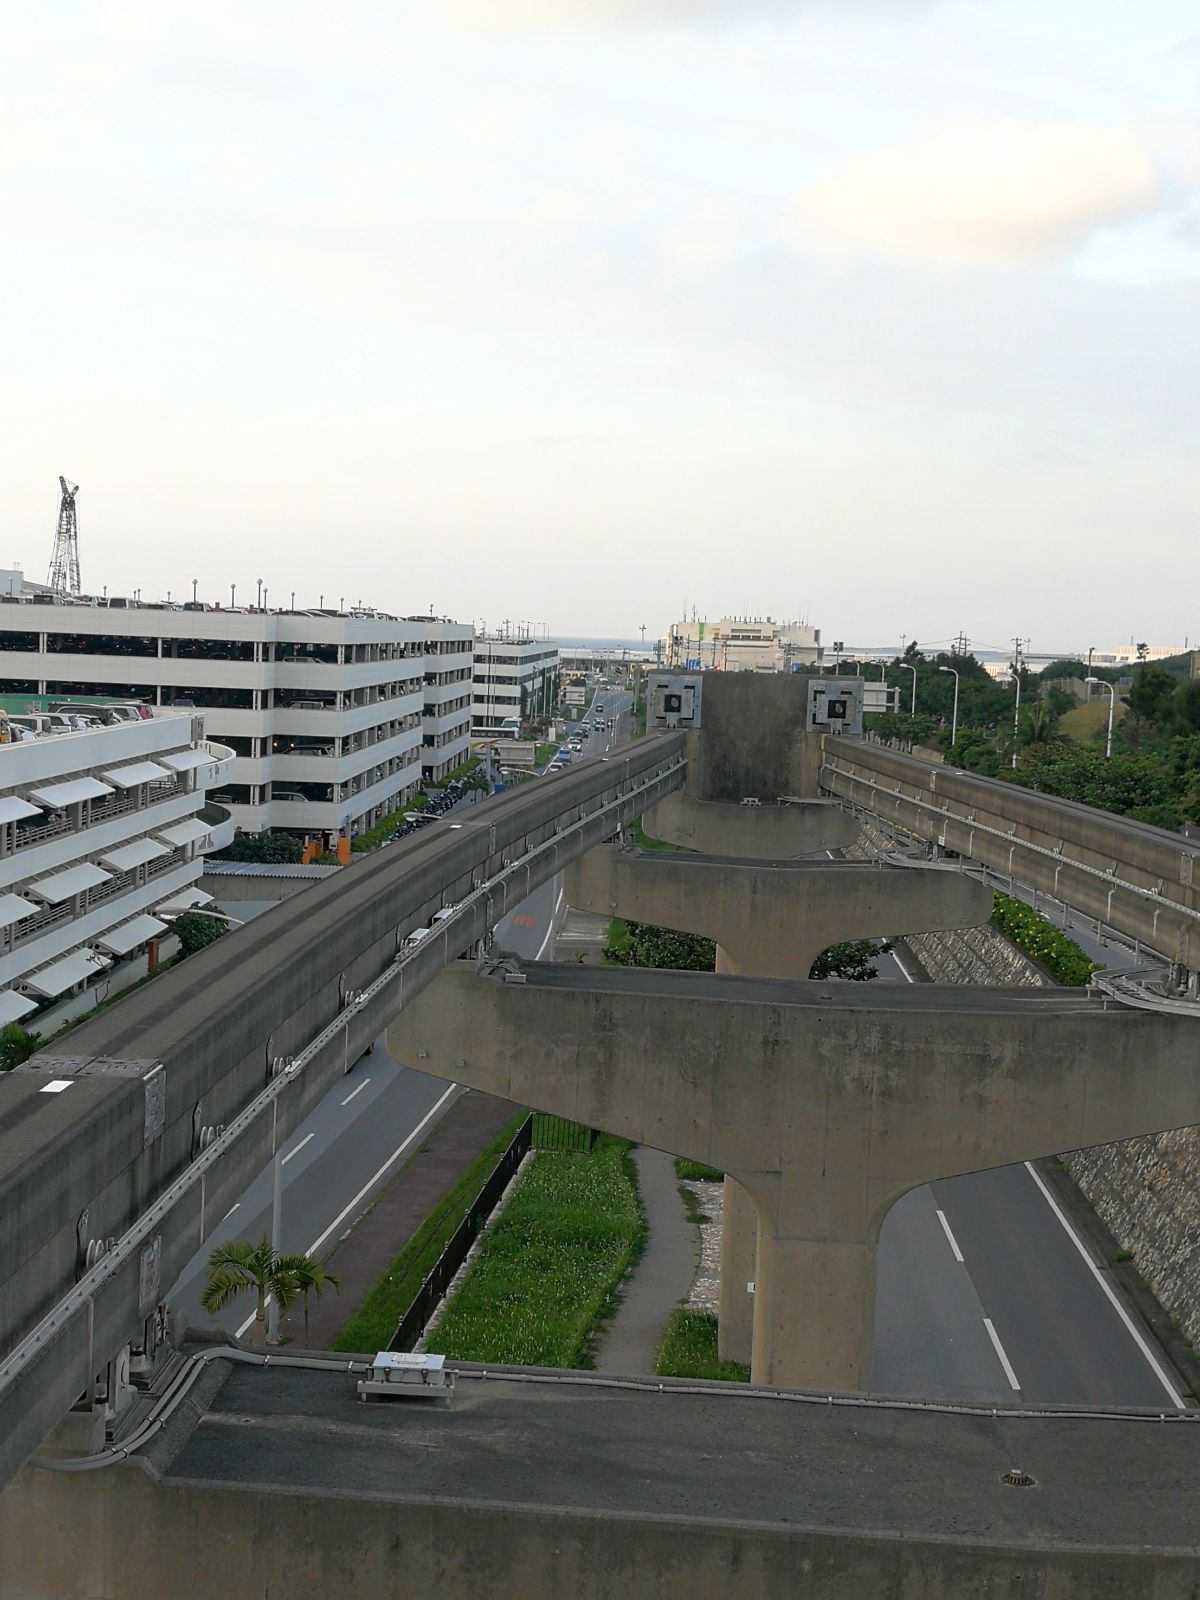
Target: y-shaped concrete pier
770, 920
827, 1102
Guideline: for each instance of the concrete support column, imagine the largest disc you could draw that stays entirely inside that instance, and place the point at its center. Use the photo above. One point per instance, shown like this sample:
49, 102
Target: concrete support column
814, 1311
739, 1248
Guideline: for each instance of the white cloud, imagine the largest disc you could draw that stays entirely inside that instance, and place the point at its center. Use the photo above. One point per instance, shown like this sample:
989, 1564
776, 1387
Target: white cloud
509, 13
987, 191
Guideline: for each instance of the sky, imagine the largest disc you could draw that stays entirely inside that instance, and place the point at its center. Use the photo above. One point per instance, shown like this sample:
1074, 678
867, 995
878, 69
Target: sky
878, 313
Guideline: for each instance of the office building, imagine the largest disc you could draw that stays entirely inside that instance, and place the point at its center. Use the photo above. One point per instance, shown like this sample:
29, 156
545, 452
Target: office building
514, 677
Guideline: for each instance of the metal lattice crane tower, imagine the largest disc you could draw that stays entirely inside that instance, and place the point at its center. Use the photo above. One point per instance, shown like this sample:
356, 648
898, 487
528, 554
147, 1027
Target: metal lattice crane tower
63, 578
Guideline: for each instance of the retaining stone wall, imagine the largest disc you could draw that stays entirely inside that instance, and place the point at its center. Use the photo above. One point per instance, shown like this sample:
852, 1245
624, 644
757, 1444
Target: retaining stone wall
1146, 1191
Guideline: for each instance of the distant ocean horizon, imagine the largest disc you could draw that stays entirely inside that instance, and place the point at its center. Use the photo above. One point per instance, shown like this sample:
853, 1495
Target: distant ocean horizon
605, 644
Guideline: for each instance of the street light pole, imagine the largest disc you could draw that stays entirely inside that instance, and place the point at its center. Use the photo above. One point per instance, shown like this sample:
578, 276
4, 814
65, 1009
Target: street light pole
953, 671
1112, 701
1017, 706
913, 670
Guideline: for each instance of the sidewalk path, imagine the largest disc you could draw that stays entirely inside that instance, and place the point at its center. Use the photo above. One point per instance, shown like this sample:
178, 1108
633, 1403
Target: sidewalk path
661, 1279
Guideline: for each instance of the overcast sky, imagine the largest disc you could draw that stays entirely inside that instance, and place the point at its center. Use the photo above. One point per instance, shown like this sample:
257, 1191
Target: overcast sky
882, 313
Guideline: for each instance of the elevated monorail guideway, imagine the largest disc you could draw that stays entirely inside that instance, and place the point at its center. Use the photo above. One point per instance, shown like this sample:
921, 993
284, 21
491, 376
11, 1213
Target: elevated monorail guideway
115, 1160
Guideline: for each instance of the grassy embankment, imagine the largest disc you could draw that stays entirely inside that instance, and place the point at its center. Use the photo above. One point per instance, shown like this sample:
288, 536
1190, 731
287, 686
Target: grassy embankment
549, 1268
373, 1324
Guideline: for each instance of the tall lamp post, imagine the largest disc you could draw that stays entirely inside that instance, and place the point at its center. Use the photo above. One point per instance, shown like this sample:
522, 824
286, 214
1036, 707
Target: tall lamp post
913, 670
1017, 707
953, 671
1112, 700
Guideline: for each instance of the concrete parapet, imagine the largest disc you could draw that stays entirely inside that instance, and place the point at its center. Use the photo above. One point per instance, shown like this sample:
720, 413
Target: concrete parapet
826, 1102
773, 920
753, 833
532, 1486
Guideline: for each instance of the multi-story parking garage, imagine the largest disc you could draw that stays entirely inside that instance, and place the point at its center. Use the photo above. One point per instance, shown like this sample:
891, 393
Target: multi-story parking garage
335, 720
102, 835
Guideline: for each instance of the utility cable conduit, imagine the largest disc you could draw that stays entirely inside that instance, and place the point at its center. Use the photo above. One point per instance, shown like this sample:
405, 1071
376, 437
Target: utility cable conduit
77, 1302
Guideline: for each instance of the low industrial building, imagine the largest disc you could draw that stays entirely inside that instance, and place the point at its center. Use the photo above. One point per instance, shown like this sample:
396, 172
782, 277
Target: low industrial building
102, 838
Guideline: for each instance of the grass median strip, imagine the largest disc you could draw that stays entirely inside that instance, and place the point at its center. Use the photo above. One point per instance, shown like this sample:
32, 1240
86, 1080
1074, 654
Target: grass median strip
689, 1350
373, 1324
549, 1267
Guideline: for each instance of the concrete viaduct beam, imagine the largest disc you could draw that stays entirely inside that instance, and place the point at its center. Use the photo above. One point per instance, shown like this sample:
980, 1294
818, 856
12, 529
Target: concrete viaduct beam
773, 920
753, 833
825, 1101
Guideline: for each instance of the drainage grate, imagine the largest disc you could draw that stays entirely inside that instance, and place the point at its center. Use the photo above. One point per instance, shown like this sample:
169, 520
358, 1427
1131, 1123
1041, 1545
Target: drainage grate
1017, 1479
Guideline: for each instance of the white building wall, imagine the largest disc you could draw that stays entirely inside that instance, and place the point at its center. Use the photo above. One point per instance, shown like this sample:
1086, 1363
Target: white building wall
325, 711
60, 837
503, 668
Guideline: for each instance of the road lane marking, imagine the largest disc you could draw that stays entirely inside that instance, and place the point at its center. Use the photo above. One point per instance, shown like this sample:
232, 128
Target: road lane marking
953, 1242
368, 1186
353, 1092
296, 1149
550, 929
371, 1182
231, 1210
1131, 1327
908, 975
999, 1349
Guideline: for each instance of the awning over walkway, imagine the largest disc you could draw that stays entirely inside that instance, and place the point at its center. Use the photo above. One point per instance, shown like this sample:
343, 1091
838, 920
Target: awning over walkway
15, 906
14, 809
62, 885
120, 941
69, 793
127, 856
62, 975
137, 772
185, 760
13, 1006
186, 832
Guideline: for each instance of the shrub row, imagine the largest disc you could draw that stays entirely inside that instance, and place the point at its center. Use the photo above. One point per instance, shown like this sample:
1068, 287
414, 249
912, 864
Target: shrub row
1047, 945
549, 1266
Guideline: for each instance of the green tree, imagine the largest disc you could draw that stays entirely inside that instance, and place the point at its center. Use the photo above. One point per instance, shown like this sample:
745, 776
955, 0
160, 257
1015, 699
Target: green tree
272, 849
647, 946
195, 930
1152, 689
311, 1278
852, 960
239, 1267
1181, 714
16, 1045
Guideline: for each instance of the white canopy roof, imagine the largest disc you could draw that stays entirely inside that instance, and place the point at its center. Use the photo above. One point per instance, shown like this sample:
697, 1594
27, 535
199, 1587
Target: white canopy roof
185, 760
185, 900
66, 794
62, 885
127, 937
179, 833
14, 809
136, 854
65, 974
137, 772
13, 907
14, 1005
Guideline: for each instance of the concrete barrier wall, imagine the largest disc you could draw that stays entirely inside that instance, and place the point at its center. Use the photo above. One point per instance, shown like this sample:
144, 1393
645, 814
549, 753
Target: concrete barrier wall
114, 1535
1078, 854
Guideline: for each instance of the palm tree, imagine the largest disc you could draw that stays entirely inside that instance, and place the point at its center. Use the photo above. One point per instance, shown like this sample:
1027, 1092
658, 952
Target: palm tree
310, 1277
239, 1266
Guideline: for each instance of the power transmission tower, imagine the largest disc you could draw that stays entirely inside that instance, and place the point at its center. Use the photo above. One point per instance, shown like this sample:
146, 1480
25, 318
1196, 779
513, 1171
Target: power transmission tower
64, 563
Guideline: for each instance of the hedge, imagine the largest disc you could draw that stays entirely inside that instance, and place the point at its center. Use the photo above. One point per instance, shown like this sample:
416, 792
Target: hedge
1040, 940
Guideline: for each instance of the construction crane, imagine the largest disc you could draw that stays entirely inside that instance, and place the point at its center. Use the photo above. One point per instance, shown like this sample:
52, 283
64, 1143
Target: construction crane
63, 578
